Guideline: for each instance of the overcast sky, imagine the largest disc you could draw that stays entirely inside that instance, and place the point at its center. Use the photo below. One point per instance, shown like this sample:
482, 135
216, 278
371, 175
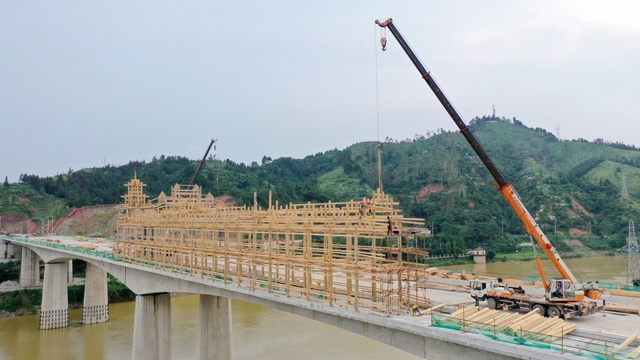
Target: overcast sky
84, 84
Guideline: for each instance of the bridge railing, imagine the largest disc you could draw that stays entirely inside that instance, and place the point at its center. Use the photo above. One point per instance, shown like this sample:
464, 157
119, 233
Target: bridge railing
52, 245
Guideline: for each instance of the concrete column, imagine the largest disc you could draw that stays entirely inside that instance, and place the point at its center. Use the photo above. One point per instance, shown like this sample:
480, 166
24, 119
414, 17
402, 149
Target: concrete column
70, 273
29, 268
215, 339
96, 301
54, 311
4, 247
13, 250
152, 327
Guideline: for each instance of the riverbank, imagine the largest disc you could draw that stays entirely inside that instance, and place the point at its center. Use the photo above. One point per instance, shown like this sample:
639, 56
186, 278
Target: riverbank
525, 254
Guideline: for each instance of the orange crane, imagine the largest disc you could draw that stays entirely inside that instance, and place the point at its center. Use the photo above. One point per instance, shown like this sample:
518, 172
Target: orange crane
564, 290
201, 164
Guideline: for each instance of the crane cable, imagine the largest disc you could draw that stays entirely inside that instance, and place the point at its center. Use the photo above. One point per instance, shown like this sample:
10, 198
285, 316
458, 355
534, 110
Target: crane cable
375, 47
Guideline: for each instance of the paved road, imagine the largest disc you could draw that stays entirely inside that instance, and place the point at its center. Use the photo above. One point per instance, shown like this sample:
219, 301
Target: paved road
623, 325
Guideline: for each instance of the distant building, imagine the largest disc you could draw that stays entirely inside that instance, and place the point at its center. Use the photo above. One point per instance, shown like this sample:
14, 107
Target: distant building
479, 255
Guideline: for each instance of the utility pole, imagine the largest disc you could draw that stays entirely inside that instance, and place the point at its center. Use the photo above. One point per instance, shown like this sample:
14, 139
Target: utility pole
633, 257
625, 192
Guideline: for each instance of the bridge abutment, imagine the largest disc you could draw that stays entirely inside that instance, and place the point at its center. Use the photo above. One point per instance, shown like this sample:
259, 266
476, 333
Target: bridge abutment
96, 302
215, 340
152, 327
29, 268
54, 311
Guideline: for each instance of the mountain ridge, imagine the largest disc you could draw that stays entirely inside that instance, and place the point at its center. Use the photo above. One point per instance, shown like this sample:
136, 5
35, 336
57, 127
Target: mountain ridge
555, 178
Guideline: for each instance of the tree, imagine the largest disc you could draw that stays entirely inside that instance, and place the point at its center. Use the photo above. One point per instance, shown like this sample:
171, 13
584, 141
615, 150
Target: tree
6, 181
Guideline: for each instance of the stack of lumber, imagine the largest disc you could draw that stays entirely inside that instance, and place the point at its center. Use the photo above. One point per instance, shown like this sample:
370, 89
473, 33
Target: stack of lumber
626, 293
87, 246
627, 309
532, 322
446, 274
438, 285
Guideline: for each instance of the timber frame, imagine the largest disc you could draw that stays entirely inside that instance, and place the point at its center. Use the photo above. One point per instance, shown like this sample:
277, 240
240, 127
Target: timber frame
338, 253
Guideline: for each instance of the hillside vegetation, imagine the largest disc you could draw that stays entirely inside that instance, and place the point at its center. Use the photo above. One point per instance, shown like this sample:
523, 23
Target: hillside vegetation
573, 188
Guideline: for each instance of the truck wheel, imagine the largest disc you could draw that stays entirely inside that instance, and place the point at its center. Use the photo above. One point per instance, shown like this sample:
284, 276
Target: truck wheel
492, 303
554, 311
542, 311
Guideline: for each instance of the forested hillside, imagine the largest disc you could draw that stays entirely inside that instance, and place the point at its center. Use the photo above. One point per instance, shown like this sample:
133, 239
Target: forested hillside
572, 187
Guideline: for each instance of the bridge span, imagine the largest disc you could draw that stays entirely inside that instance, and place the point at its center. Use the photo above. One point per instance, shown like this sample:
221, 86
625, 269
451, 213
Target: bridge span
153, 286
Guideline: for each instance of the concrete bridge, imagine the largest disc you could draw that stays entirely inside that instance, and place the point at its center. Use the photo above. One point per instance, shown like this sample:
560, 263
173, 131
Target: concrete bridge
152, 328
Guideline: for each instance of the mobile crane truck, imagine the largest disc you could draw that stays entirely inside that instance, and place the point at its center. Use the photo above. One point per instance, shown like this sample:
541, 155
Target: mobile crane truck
564, 297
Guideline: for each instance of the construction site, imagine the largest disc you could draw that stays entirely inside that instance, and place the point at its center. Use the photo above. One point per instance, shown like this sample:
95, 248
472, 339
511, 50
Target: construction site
363, 255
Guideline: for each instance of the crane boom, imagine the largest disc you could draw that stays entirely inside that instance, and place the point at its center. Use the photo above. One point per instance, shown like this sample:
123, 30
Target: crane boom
503, 186
204, 158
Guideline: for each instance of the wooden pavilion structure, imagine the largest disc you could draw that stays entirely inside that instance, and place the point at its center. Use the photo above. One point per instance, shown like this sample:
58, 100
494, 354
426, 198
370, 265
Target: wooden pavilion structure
340, 253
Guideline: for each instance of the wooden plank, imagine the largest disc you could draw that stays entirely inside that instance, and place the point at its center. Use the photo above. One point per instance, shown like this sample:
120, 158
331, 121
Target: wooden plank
431, 309
626, 343
547, 325
628, 309
458, 313
478, 314
488, 317
532, 323
507, 319
524, 319
635, 353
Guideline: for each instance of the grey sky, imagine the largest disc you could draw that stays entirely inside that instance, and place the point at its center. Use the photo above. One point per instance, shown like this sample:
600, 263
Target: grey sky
88, 83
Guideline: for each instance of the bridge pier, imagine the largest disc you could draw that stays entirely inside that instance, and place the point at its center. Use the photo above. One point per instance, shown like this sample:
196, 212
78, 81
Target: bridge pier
4, 249
215, 339
54, 311
152, 327
96, 302
29, 268
70, 273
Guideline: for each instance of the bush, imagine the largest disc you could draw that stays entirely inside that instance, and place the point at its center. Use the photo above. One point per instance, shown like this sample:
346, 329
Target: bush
9, 271
76, 294
21, 299
119, 292
11, 304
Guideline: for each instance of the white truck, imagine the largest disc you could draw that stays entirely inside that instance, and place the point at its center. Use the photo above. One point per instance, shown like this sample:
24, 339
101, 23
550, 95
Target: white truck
499, 295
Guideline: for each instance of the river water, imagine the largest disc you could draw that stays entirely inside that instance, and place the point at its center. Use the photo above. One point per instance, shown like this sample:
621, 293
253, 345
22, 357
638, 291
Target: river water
258, 332
605, 269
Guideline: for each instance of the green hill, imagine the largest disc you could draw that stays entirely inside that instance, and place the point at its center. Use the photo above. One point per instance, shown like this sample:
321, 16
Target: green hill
573, 188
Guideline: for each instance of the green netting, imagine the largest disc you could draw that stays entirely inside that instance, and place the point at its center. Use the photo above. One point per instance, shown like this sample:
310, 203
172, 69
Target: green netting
67, 247
529, 339
608, 285
632, 288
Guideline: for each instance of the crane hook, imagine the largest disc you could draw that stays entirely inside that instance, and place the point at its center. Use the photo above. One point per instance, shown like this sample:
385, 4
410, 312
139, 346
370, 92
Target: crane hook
383, 42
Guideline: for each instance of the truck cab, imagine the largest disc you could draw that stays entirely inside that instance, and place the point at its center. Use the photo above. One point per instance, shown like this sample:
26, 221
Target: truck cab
561, 290
481, 289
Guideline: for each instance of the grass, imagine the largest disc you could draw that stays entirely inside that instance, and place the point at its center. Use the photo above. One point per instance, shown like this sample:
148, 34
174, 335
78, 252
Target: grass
450, 261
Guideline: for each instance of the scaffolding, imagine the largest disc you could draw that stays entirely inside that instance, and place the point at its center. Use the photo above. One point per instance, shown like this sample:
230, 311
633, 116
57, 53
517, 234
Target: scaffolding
362, 255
